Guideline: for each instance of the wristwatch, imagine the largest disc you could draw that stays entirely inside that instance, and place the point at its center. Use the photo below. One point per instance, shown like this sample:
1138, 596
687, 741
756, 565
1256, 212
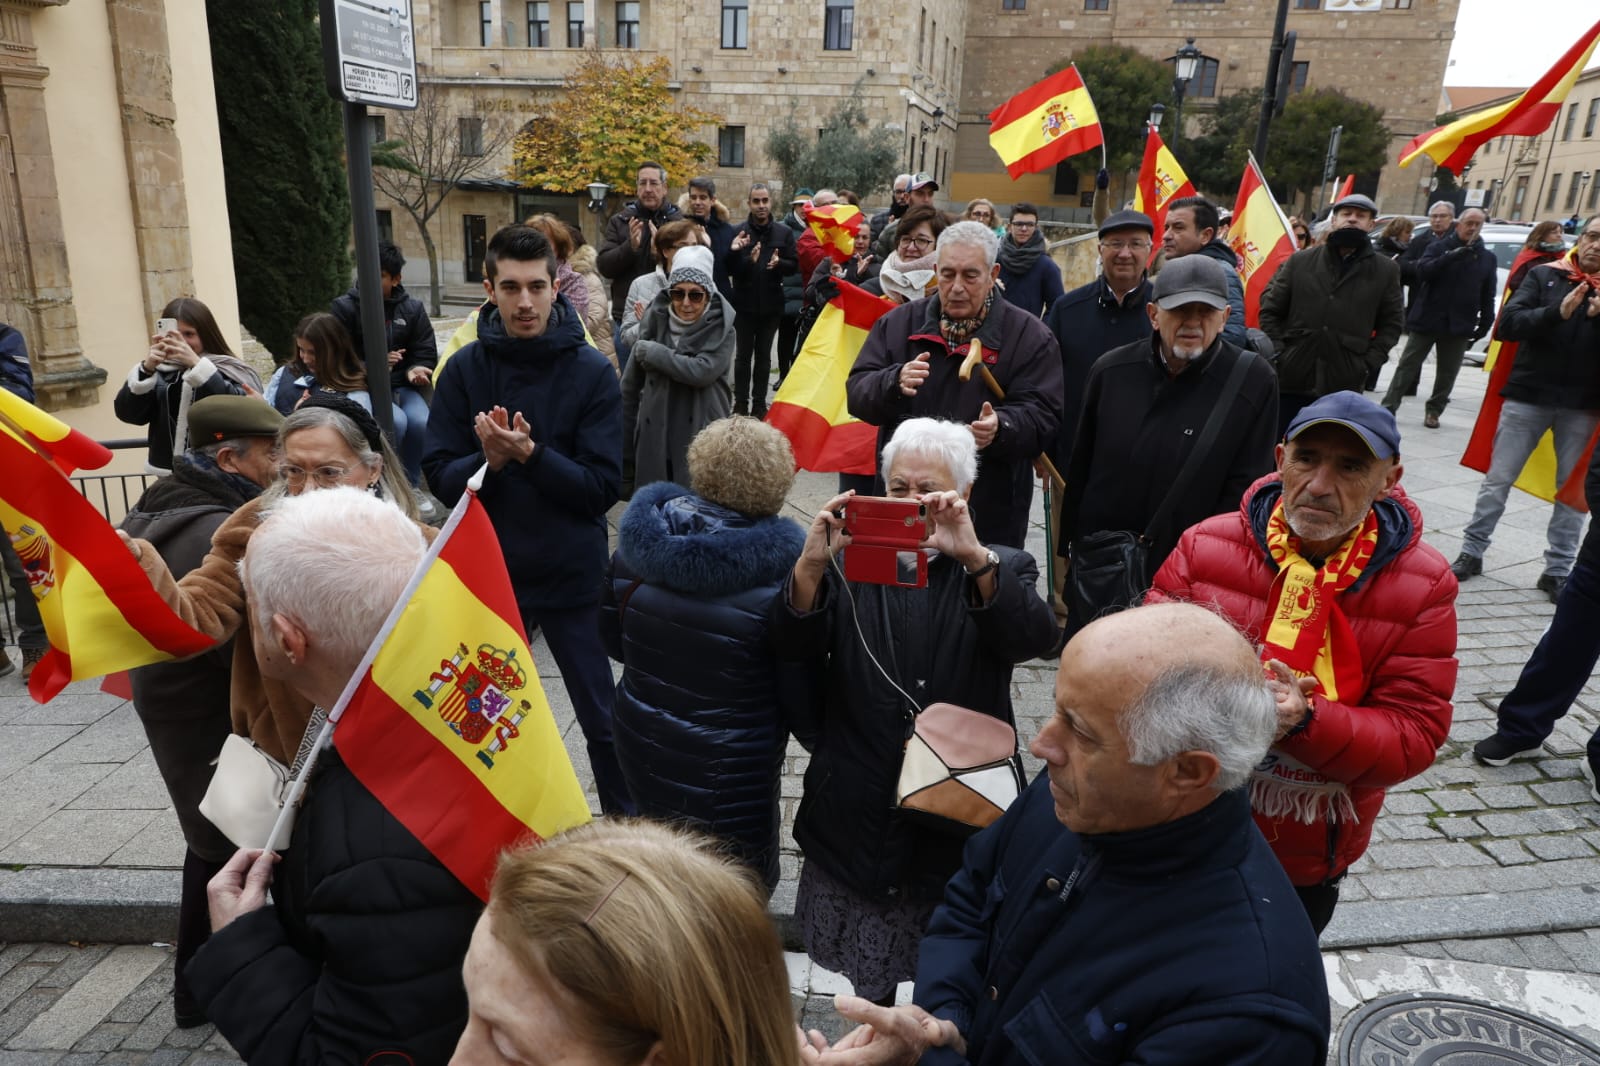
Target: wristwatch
993, 562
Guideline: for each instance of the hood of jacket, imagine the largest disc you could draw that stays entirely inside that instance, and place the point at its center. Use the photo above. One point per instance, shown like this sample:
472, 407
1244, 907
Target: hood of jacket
719, 210
670, 537
585, 260
1399, 523
562, 333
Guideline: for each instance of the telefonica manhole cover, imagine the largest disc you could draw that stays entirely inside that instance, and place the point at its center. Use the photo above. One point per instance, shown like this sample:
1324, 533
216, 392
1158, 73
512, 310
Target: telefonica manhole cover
1427, 1030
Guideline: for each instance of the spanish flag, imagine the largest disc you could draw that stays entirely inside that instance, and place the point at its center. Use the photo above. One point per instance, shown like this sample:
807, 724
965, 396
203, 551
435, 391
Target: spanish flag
1346, 187
1044, 124
835, 227
1538, 477
1161, 181
1260, 236
448, 725
811, 407
99, 610
1528, 115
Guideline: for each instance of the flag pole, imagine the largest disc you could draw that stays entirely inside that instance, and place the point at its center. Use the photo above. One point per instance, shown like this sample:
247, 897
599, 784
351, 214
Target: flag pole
297, 787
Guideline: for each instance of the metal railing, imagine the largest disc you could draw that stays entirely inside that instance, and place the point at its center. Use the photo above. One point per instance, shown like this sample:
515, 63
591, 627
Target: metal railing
113, 495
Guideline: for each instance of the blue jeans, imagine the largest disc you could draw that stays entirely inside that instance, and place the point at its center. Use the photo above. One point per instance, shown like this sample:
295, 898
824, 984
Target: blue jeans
1521, 426
1562, 661
621, 349
411, 430
575, 644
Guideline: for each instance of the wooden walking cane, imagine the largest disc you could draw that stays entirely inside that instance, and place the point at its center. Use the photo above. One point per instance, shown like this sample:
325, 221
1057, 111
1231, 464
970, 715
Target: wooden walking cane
975, 359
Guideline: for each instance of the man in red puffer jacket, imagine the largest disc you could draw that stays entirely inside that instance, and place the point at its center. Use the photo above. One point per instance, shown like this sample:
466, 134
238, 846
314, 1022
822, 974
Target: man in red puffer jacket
1324, 567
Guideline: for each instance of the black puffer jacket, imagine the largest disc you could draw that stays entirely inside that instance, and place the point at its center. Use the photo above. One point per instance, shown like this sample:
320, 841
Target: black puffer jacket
1558, 360
619, 261
939, 645
406, 329
699, 728
358, 958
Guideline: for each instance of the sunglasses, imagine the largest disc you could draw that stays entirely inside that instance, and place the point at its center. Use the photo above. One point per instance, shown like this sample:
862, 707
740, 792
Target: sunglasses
694, 297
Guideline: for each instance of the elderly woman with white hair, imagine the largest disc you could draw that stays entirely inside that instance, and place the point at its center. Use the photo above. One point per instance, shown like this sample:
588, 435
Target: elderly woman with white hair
356, 957
872, 879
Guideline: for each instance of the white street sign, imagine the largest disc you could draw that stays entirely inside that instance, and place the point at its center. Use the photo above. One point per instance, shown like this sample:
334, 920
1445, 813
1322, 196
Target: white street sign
370, 52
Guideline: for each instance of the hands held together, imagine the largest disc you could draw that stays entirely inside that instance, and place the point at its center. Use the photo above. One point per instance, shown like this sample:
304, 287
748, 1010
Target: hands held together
884, 1036
504, 437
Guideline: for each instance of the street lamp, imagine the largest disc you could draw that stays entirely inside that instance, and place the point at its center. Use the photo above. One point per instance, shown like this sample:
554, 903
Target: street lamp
1186, 60
1156, 112
598, 190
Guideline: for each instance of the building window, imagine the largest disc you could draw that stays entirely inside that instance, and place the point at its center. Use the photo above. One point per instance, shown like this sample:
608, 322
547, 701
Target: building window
735, 23
922, 36
1204, 82
1594, 196
539, 25
1297, 76
1555, 190
1097, 5
485, 23
1589, 120
1308, 5
471, 131
1197, 1
1066, 183
1013, 5
1397, 5
730, 146
1574, 189
839, 23
933, 48
574, 23
627, 24
385, 226
377, 129
1572, 122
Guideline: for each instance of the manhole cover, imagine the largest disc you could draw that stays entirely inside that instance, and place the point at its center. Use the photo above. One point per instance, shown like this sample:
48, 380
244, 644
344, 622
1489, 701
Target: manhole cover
1427, 1030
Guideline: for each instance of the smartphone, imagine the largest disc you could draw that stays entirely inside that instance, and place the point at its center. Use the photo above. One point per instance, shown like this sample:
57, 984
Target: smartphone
166, 325
886, 536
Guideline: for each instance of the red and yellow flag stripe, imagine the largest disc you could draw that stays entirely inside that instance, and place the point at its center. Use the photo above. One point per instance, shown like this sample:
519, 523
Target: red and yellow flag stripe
1045, 123
1260, 236
1161, 181
835, 227
58, 443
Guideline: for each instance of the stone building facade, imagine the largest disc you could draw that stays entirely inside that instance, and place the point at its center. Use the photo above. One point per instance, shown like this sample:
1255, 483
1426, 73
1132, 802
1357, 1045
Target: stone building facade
111, 191
1552, 176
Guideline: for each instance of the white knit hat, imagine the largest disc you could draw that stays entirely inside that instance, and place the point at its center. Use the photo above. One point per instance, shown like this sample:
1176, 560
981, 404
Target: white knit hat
693, 264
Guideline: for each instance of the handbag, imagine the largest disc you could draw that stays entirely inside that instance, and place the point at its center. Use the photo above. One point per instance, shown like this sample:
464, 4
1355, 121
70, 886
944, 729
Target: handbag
960, 771
246, 794
1110, 569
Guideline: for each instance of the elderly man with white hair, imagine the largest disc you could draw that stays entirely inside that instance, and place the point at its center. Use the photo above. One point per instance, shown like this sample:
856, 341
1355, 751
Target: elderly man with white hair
357, 956
1125, 909
910, 367
884, 653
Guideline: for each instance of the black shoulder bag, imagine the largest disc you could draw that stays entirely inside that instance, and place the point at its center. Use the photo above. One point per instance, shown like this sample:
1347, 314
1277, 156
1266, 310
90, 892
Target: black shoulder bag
1110, 569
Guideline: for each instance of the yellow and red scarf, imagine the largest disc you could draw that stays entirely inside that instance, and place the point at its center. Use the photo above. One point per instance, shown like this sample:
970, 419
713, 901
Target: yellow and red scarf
1306, 629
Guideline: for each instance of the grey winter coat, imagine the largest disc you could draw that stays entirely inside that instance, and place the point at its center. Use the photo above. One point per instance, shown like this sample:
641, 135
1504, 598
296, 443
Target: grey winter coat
671, 391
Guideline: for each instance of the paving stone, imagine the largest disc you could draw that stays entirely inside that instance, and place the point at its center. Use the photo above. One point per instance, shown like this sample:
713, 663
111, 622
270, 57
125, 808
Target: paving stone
1582, 947
105, 1037
157, 988
77, 963
86, 1004
1563, 792
1503, 797
1407, 803
52, 953
24, 1009
1497, 952
1510, 825
1459, 828
1544, 953
1559, 847
1409, 829
1507, 852
18, 980
1456, 800
1454, 854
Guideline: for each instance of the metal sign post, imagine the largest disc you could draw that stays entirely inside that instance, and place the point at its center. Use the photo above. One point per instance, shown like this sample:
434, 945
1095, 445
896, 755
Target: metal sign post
369, 56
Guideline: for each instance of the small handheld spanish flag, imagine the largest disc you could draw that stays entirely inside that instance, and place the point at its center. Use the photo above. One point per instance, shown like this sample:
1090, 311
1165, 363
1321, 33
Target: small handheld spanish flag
835, 227
1045, 123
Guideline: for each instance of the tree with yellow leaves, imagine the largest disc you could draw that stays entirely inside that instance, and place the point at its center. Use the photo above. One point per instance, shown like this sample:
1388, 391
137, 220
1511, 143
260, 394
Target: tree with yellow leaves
614, 115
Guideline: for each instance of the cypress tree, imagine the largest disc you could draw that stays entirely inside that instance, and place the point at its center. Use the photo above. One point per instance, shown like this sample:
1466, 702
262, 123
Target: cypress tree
283, 161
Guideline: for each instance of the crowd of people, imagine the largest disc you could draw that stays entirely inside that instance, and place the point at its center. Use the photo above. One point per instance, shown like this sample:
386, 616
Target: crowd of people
1255, 642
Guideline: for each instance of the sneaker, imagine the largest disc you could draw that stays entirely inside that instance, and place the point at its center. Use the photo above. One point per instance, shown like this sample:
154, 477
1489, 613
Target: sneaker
1589, 775
31, 658
1467, 566
7, 667
1551, 586
1430, 421
1496, 750
425, 505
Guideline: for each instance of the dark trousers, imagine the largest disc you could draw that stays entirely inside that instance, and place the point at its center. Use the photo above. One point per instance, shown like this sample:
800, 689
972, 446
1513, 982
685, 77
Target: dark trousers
621, 349
788, 344
574, 640
1319, 901
755, 334
1448, 352
194, 928
30, 627
1562, 661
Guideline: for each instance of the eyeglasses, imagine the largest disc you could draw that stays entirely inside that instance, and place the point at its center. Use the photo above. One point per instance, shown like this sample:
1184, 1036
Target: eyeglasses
921, 244
982, 216
325, 476
694, 297
1302, 236
1588, 237
1118, 247
1024, 225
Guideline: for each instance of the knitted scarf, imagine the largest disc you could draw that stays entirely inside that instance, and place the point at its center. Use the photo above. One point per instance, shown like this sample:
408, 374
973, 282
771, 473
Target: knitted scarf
957, 330
1306, 629
909, 279
1017, 259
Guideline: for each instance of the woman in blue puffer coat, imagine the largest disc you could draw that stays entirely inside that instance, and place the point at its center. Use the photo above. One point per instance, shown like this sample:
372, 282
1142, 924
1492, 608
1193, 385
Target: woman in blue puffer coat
699, 722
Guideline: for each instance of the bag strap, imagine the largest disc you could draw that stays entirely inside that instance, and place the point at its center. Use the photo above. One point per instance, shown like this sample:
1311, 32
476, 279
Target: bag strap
1208, 437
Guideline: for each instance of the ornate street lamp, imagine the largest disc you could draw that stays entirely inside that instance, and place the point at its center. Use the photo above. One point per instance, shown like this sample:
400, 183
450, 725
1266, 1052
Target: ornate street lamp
598, 191
1186, 61
1156, 112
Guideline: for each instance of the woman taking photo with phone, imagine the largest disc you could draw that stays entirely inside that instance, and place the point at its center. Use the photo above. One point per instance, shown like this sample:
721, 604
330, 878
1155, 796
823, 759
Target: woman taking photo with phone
183, 364
324, 361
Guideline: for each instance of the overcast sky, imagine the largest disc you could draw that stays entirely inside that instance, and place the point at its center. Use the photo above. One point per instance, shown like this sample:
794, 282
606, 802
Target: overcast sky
1512, 42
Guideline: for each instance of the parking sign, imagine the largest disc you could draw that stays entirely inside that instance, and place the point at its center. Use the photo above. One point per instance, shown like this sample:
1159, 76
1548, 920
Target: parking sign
368, 52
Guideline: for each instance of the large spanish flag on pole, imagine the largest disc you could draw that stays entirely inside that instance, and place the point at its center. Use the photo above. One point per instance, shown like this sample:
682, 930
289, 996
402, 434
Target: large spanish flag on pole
1527, 116
1260, 236
445, 722
1161, 181
1044, 124
811, 407
835, 228
99, 609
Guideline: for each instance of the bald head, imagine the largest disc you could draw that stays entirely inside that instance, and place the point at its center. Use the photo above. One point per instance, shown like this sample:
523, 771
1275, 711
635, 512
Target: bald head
1140, 644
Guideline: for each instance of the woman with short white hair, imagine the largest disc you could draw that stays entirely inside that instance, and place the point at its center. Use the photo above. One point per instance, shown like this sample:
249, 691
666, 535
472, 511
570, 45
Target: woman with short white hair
871, 880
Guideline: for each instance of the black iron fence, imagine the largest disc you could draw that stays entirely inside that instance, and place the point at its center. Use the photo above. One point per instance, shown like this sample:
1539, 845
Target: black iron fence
113, 495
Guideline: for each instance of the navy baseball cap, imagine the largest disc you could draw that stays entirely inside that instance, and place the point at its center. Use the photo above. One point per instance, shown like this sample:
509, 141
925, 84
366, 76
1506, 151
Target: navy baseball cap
1370, 421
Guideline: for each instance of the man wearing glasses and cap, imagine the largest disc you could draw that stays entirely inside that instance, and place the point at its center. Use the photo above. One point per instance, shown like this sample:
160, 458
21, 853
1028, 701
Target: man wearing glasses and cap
1323, 564
919, 191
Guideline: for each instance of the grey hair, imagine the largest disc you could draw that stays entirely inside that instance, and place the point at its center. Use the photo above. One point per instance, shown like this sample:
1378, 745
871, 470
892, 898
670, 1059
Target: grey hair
1446, 204
214, 448
974, 235
334, 562
392, 484
898, 178
951, 443
1201, 707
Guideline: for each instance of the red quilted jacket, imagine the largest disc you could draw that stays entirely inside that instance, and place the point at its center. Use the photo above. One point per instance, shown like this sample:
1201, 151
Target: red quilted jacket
1403, 613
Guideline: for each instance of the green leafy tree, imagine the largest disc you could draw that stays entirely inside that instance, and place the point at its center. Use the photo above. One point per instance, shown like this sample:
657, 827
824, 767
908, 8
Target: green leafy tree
1299, 142
614, 115
283, 164
851, 152
1124, 84
1215, 159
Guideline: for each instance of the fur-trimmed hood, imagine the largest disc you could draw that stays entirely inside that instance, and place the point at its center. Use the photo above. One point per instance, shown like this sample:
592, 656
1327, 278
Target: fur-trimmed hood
719, 210
671, 537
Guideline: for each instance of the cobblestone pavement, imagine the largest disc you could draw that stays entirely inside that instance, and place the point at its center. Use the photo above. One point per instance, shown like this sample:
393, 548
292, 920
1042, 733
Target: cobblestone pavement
1471, 866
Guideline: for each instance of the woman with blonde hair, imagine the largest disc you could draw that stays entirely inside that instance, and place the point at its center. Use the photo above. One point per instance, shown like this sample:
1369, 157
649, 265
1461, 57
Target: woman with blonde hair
626, 943
981, 210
